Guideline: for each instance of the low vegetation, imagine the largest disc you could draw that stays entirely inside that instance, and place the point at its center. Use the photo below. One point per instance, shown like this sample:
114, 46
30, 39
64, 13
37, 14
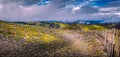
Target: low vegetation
56, 39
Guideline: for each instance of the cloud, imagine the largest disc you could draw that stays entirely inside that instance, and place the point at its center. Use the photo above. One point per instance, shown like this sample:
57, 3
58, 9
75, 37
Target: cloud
62, 10
113, 4
108, 9
20, 2
16, 12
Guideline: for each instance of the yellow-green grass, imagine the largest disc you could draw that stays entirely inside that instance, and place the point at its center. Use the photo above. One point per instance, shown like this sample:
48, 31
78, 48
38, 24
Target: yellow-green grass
93, 27
81, 27
27, 32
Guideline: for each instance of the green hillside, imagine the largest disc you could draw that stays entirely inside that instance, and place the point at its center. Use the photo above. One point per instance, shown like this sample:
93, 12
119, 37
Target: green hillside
69, 40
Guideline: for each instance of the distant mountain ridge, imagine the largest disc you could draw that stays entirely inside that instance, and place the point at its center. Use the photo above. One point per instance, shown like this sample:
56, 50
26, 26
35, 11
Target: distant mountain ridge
89, 21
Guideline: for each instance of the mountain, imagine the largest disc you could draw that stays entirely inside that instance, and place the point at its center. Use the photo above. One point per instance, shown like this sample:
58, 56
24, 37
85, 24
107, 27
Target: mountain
89, 21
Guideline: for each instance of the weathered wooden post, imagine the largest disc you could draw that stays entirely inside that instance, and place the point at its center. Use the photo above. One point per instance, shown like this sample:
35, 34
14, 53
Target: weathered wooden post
117, 43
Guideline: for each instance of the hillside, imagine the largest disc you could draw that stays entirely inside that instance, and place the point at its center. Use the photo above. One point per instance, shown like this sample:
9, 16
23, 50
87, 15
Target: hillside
69, 40
65, 26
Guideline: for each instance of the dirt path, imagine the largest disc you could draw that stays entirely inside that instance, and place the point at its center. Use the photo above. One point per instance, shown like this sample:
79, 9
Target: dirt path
76, 39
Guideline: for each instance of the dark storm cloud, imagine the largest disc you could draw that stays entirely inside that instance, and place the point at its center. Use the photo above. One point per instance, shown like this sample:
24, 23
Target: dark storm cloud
89, 9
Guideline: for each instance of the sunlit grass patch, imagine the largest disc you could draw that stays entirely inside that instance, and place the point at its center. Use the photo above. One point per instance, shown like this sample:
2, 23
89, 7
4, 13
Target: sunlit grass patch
30, 33
48, 38
93, 27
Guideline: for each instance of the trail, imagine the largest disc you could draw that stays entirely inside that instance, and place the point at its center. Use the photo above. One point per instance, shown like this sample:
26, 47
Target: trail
77, 40
73, 36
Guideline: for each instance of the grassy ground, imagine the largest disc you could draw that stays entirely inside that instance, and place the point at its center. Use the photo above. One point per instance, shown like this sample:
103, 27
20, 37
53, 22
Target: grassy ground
18, 40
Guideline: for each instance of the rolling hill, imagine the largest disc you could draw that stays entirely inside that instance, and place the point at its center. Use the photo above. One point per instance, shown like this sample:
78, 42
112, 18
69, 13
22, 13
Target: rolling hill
48, 40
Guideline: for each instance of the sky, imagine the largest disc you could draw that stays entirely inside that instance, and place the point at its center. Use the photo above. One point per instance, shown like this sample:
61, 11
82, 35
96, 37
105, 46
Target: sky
60, 10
